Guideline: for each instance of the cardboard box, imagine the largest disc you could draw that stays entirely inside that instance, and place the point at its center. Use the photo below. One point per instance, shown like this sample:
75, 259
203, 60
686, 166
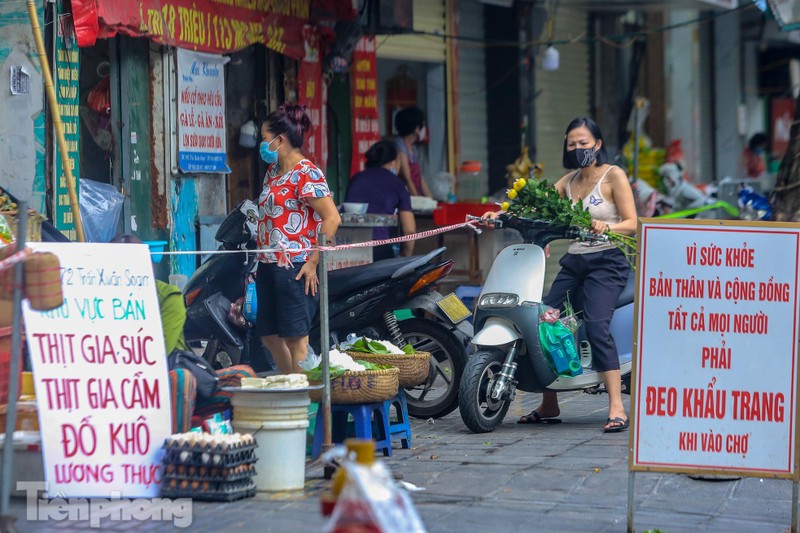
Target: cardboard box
27, 417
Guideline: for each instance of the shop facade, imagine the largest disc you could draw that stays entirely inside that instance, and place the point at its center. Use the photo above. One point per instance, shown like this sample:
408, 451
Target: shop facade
174, 149
22, 117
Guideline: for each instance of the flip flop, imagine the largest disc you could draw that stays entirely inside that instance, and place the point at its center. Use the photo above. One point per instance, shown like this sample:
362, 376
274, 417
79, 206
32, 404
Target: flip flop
536, 418
618, 424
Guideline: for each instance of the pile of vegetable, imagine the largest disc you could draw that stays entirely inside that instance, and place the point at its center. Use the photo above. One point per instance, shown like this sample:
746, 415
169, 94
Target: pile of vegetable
341, 362
366, 345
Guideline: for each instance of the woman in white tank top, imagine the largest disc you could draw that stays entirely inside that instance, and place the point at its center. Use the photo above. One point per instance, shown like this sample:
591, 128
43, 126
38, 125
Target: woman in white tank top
594, 274
601, 272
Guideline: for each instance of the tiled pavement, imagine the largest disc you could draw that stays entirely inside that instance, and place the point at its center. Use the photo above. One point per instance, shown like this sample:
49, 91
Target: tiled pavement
567, 477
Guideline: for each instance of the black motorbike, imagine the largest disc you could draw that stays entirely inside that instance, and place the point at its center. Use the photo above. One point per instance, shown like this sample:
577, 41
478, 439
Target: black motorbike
362, 300
217, 284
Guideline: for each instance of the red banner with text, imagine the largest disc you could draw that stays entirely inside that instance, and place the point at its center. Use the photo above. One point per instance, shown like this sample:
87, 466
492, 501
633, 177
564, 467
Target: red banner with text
312, 92
366, 126
216, 26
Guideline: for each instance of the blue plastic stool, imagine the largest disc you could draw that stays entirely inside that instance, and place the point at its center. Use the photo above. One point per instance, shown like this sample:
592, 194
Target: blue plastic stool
362, 414
467, 294
402, 425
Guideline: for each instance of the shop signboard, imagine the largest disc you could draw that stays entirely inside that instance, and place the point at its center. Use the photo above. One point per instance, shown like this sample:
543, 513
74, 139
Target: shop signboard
366, 127
66, 78
216, 26
100, 373
313, 94
715, 368
202, 143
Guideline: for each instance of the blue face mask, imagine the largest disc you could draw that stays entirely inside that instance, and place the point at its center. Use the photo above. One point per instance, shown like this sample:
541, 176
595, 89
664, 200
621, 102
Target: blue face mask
269, 156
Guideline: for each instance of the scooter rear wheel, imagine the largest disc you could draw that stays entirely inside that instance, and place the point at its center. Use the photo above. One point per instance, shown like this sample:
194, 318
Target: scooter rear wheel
479, 411
438, 396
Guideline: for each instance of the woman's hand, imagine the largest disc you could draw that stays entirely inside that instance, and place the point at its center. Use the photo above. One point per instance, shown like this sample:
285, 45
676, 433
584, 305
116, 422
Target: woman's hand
599, 227
490, 215
309, 271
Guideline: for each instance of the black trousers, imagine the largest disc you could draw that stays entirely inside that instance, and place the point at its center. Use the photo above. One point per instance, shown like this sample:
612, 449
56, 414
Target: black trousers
593, 282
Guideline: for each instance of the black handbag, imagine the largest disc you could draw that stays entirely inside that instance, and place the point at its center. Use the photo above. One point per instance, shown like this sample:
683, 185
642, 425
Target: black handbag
204, 375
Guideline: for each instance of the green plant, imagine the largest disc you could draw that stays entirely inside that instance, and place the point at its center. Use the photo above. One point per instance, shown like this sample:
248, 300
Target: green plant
539, 200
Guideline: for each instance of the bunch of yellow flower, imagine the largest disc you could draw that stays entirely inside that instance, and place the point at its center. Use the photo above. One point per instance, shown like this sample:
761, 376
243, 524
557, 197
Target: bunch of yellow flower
514, 192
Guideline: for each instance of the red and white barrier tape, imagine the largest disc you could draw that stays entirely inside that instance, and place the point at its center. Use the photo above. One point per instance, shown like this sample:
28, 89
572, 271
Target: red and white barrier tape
12, 260
367, 244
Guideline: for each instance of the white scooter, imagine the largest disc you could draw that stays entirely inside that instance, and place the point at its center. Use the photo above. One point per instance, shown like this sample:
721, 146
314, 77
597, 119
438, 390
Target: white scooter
509, 355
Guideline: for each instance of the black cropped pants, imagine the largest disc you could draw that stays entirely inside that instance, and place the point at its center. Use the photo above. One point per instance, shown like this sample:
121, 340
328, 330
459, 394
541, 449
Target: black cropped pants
593, 283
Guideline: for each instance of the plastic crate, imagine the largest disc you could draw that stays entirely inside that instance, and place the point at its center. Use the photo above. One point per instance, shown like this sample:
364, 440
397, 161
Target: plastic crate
448, 214
5, 364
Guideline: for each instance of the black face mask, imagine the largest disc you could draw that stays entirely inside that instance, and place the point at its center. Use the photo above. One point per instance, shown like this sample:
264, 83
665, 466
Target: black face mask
582, 157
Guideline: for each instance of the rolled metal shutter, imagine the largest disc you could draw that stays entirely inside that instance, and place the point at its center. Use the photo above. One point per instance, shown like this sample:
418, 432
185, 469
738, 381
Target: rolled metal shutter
428, 17
472, 87
563, 94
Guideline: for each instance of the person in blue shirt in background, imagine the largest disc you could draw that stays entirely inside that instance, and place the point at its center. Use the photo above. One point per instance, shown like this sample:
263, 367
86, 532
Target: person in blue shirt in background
381, 188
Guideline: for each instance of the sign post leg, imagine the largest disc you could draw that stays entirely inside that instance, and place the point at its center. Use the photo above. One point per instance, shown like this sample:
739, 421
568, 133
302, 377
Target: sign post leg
794, 506
14, 365
325, 343
631, 475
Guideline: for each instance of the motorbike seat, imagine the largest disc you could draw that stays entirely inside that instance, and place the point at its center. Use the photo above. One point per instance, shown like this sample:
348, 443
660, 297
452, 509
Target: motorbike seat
626, 296
349, 279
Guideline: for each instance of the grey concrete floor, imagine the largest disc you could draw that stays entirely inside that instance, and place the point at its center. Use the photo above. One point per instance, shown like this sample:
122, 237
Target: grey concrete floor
567, 477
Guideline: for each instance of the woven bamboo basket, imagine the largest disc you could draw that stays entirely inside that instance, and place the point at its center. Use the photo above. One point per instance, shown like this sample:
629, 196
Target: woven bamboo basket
7, 275
368, 386
43, 281
35, 219
414, 368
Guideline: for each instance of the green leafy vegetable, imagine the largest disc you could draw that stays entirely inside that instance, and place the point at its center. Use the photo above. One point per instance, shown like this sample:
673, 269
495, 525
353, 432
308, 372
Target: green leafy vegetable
408, 349
372, 366
315, 374
362, 345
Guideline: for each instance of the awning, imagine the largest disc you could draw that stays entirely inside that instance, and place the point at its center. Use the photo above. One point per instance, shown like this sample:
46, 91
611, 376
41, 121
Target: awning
216, 26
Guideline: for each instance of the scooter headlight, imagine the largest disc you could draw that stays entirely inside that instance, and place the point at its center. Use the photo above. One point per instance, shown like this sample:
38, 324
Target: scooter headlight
499, 299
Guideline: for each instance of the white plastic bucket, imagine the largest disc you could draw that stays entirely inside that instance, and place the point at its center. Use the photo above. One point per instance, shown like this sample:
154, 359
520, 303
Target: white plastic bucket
278, 421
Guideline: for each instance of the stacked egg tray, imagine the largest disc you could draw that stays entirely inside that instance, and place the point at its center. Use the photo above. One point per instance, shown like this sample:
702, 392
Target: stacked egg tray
206, 472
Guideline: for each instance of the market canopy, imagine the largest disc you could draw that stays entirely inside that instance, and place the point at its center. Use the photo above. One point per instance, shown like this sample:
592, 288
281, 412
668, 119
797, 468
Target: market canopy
216, 26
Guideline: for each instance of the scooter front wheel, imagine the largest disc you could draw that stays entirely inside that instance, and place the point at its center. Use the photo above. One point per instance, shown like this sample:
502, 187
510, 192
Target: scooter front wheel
480, 412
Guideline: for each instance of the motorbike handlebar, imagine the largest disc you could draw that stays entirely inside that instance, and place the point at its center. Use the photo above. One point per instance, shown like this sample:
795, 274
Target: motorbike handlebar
586, 235
540, 231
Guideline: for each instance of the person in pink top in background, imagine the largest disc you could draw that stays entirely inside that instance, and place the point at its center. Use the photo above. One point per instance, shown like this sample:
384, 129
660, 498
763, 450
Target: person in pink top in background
410, 125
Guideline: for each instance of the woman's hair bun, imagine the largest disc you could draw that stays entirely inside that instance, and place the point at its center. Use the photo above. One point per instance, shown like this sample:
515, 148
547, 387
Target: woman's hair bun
290, 120
380, 153
296, 113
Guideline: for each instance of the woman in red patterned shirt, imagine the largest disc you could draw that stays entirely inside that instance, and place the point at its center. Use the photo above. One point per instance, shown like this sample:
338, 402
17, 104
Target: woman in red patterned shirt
295, 206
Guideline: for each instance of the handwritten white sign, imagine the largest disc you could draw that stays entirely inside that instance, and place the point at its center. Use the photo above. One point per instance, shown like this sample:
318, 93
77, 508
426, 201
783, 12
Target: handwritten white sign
201, 112
715, 385
100, 373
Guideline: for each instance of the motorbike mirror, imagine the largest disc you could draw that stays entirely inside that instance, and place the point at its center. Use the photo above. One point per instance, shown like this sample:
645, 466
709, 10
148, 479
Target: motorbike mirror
240, 225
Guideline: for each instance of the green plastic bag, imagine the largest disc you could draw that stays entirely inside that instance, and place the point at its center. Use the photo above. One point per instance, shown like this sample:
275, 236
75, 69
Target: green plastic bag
558, 345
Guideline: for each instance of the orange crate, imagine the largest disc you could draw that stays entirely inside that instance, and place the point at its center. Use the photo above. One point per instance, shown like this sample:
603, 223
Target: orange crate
449, 214
5, 363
